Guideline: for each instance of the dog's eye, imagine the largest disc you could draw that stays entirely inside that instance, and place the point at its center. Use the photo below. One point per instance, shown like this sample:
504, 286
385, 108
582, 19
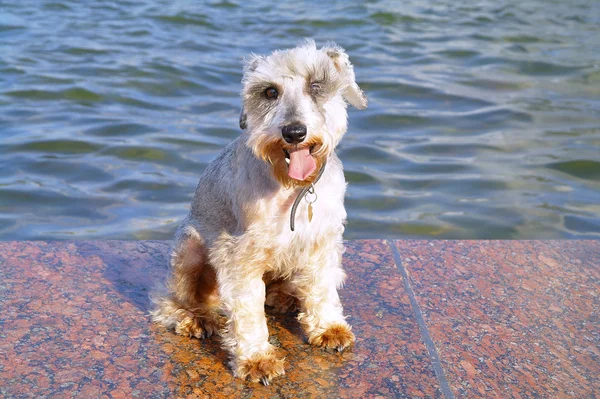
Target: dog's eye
271, 93
315, 86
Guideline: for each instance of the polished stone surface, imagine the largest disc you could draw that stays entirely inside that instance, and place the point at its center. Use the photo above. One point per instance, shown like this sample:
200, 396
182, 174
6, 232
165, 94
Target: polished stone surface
506, 318
511, 319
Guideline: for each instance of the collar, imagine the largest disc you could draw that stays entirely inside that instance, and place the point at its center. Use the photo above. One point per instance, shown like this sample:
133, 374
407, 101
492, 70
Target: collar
302, 194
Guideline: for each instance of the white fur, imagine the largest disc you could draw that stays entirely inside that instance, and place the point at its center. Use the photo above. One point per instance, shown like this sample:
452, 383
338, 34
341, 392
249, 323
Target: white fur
240, 215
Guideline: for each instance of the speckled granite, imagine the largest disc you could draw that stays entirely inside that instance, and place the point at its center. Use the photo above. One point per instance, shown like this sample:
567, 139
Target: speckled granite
507, 319
511, 319
73, 319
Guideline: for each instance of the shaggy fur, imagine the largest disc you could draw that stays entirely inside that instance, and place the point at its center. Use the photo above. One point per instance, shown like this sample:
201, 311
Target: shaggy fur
236, 241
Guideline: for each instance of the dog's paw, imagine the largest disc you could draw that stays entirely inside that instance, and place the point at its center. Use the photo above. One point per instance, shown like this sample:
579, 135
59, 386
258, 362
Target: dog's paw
193, 326
260, 368
337, 337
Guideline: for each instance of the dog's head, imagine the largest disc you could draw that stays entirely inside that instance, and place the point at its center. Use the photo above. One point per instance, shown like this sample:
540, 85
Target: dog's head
294, 108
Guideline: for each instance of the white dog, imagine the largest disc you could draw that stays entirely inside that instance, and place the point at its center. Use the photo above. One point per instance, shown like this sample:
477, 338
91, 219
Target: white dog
266, 221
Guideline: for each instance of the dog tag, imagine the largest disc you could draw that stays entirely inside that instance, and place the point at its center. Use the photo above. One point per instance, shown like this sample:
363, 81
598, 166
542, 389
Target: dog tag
310, 197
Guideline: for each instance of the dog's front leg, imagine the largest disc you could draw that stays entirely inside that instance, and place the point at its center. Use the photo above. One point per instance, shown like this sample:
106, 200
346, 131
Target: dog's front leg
246, 336
321, 313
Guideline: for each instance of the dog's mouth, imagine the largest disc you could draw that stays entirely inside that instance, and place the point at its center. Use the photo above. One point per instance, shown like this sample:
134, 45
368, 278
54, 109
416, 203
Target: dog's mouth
301, 163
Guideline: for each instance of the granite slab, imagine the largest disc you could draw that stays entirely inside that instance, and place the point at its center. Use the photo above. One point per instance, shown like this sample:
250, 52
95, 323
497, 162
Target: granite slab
433, 319
511, 319
74, 318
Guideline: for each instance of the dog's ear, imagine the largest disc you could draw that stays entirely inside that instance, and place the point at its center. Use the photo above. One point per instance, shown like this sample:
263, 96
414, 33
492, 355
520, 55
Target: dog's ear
243, 119
351, 92
251, 62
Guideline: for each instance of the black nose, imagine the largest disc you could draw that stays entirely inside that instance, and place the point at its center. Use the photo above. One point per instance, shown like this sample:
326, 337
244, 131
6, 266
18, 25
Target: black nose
294, 133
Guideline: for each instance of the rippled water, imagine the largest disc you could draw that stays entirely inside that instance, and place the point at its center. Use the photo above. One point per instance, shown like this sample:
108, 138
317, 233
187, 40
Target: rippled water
483, 119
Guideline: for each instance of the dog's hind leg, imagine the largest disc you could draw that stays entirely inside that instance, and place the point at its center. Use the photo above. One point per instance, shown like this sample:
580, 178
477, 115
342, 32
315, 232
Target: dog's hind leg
190, 303
280, 296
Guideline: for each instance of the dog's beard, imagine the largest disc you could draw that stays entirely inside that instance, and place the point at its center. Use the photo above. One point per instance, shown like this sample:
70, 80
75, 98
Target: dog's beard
293, 165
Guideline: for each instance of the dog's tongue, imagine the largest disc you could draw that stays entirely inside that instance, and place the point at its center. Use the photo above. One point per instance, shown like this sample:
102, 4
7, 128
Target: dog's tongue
302, 164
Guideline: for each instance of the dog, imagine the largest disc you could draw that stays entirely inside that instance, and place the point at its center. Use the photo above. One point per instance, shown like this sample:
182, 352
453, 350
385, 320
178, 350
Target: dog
266, 222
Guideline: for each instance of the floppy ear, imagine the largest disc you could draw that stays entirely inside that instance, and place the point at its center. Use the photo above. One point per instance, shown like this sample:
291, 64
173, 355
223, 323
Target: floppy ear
350, 91
251, 62
243, 119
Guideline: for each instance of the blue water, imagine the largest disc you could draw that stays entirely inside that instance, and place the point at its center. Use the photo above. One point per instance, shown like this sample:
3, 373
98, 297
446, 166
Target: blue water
483, 118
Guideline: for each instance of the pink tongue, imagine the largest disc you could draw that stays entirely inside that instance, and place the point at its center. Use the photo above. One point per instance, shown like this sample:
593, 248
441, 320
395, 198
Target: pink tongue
302, 164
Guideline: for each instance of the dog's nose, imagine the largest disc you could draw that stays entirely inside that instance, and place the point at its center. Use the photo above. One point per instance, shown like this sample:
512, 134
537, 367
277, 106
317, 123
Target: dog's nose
294, 133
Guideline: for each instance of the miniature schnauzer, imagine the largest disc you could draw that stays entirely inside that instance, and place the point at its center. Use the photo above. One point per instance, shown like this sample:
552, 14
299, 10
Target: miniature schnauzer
266, 222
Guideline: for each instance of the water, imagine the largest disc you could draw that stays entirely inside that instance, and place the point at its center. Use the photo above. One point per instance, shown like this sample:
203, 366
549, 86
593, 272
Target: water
483, 118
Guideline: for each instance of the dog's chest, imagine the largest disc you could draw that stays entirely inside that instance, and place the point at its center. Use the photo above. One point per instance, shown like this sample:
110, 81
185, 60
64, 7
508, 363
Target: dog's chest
317, 215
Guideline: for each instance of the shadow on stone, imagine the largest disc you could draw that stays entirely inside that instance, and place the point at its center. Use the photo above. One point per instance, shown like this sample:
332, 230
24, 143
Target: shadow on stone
134, 268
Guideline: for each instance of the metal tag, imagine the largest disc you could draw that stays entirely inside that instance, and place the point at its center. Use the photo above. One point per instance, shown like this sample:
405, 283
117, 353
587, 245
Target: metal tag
310, 197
